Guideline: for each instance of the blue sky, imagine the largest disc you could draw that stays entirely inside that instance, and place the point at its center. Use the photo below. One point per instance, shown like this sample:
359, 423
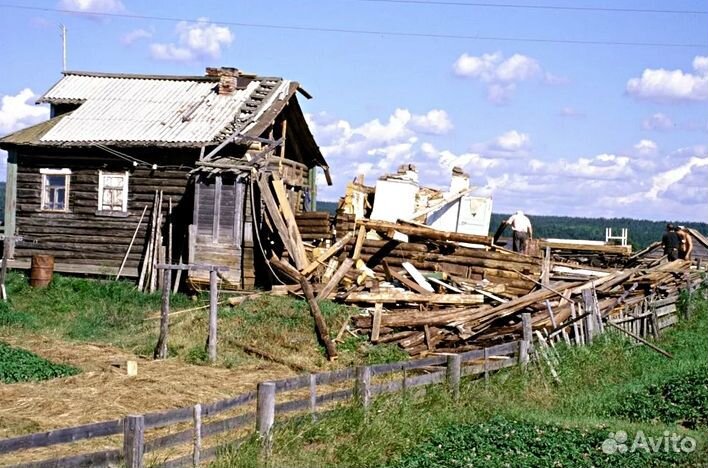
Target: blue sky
549, 127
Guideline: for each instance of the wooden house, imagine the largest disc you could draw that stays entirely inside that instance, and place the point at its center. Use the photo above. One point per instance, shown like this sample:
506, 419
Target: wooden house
78, 183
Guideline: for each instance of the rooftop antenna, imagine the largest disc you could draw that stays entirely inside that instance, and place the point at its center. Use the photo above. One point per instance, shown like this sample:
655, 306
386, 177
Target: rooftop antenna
62, 30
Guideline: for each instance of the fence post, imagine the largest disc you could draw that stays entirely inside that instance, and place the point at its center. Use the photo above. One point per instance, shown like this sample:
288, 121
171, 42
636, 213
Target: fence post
362, 388
265, 408
527, 336
454, 371
197, 450
213, 306
133, 440
161, 347
313, 395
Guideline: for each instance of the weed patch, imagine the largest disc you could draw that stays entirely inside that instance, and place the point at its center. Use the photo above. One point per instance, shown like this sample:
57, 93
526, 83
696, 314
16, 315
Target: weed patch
19, 365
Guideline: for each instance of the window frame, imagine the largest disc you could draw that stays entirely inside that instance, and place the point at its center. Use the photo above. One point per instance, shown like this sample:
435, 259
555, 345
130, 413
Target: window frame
43, 200
101, 187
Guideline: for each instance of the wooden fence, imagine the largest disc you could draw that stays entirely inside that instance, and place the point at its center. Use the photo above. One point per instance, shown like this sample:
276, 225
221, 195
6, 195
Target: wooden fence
314, 393
258, 409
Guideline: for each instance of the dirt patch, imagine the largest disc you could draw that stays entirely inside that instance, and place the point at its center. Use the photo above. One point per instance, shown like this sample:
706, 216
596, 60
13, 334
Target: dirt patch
104, 392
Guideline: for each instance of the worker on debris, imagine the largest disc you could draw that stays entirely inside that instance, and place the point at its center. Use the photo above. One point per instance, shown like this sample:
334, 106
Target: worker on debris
521, 226
671, 242
686, 246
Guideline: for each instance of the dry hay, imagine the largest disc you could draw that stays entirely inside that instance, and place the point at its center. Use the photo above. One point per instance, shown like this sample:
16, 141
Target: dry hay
103, 392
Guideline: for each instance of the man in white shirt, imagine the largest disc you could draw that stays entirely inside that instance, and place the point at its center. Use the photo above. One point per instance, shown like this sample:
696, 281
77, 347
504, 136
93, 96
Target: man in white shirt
521, 225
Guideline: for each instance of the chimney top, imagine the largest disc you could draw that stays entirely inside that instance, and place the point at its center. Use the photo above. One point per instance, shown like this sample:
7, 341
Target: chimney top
228, 78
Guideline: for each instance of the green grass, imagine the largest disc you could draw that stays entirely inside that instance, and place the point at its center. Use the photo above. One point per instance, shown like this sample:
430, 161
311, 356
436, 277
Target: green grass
114, 312
19, 365
519, 418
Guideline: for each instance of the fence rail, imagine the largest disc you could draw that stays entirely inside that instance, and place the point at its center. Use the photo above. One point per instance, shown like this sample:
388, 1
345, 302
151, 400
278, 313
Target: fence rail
398, 376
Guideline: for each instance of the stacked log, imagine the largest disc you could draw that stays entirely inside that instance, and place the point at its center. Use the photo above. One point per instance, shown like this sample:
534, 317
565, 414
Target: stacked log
314, 226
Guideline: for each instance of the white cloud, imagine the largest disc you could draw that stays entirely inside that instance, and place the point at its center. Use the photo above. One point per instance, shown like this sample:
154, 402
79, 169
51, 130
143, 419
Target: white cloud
512, 141
135, 35
195, 41
435, 122
502, 74
672, 85
19, 111
646, 147
92, 6
658, 121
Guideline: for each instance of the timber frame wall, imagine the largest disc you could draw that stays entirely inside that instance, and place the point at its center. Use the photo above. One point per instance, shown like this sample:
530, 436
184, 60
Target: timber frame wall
80, 239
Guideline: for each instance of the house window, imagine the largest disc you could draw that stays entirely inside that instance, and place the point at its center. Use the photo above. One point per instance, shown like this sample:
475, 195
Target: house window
113, 191
55, 189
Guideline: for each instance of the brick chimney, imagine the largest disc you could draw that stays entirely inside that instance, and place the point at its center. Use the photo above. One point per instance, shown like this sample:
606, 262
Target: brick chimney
228, 78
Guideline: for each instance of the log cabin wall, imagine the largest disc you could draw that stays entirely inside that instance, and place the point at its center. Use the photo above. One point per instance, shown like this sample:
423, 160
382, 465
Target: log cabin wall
81, 239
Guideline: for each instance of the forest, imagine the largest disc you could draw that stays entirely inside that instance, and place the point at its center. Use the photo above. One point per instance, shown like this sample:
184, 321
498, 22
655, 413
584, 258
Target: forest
641, 232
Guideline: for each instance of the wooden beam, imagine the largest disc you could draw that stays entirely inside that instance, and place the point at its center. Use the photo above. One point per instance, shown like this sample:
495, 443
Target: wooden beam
424, 232
324, 256
412, 285
360, 237
320, 324
391, 297
641, 340
275, 216
343, 269
299, 255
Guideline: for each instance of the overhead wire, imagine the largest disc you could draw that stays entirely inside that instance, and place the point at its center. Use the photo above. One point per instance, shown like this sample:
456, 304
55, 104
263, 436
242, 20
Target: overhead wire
369, 32
535, 7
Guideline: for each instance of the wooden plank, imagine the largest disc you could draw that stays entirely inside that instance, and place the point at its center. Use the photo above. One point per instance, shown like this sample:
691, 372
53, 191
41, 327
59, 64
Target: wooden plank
424, 232
412, 285
300, 256
391, 297
62, 436
338, 275
278, 221
360, 237
102, 458
324, 256
417, 277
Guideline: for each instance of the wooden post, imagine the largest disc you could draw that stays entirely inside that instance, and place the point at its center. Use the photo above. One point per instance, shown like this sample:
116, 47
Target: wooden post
161, 347
213, 306
453, 373
589, 310
10, 202
133, 441
265, 410
130, 246
689, 292
527, 336
362, 388
486, 365
197, 449
546, 268
313, 396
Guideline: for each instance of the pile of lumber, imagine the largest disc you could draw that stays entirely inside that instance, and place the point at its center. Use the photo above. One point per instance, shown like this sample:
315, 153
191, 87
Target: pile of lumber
587, 253
430, 291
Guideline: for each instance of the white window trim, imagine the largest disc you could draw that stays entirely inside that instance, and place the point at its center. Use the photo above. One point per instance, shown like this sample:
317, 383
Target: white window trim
67, 179
125, 190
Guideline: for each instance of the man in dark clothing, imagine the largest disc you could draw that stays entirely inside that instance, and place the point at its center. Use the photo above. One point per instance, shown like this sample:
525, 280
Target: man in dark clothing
671, 242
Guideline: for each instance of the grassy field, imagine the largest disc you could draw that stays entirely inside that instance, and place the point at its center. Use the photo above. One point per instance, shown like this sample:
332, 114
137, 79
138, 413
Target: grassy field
105, 311
523, 418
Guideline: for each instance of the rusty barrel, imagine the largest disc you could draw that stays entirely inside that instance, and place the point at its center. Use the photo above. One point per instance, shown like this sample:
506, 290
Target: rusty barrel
42, 269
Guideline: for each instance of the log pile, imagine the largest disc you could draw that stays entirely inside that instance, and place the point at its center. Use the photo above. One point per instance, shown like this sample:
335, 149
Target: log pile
432, 291
314, 226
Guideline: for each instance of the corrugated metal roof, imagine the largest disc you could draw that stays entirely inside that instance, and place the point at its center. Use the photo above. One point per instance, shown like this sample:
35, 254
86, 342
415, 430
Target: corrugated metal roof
136, 109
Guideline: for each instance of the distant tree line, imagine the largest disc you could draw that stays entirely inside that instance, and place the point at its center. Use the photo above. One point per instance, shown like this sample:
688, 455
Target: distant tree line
641, 233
